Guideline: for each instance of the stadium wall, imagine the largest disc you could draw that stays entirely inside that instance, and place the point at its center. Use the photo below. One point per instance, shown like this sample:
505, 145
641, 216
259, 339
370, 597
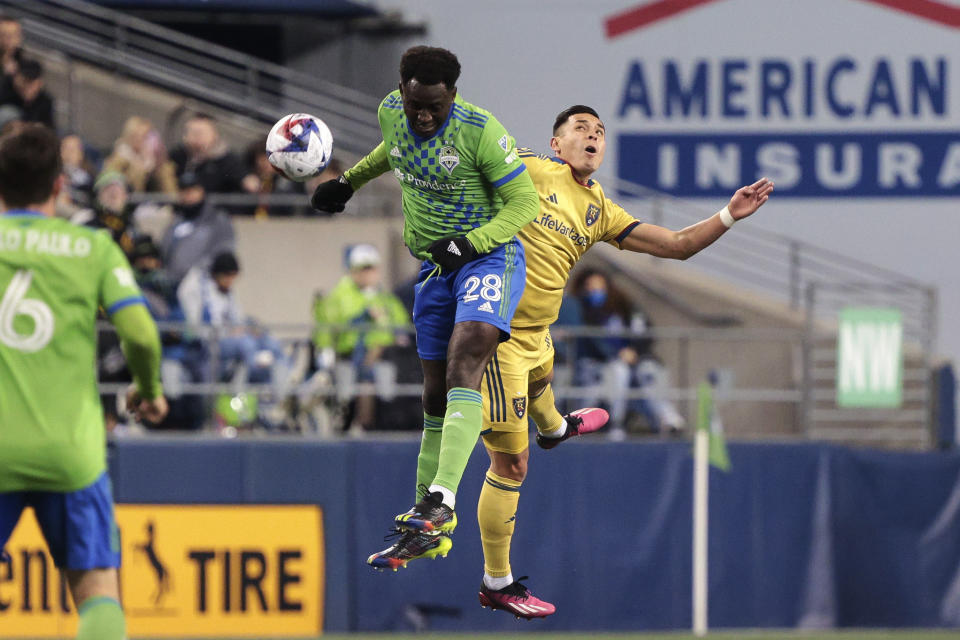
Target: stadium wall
808, 535
310, 256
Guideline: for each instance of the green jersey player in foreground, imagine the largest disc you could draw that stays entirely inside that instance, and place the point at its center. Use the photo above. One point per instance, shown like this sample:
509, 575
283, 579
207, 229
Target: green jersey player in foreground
53, 278
466, 193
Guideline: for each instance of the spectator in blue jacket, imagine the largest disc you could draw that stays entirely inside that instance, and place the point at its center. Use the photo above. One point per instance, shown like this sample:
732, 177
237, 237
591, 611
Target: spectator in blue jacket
610, 365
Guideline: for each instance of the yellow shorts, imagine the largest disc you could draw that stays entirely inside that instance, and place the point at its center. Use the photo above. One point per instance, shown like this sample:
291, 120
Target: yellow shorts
522, 360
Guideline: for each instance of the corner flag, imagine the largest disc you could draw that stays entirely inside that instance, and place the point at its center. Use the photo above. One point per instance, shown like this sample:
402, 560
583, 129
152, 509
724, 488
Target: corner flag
709, 421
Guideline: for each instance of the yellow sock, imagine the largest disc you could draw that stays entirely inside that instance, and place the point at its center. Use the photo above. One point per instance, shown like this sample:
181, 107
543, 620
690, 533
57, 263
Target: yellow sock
496, 513
543, 410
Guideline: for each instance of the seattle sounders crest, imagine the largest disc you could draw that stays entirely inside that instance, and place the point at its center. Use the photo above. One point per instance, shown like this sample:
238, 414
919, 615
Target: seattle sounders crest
449, 158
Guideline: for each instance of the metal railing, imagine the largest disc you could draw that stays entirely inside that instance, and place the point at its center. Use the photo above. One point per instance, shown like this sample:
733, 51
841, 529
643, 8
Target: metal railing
367, 203
195, 68
773, 264
779, 267
311, 400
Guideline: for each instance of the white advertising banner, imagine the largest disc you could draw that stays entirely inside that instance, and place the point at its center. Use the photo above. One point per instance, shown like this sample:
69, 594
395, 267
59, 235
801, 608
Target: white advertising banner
852, 107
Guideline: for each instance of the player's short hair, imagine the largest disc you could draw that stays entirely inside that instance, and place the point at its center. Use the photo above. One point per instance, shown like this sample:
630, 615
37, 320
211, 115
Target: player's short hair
430, 65
29, 165
564, 115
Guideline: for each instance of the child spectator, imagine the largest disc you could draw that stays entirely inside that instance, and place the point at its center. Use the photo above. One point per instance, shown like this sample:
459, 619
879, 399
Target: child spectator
111, 210
207, 298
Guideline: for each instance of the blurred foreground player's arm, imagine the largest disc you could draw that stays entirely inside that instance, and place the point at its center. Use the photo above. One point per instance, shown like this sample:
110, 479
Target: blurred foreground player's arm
332, 195
121, 297
141, 346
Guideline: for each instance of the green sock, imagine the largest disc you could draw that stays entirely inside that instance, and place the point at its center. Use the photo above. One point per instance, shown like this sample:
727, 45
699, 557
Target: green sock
429, 451
101, 618
461, 428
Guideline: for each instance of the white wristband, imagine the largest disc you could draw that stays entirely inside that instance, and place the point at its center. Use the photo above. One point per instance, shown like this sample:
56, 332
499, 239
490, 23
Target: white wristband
726, 218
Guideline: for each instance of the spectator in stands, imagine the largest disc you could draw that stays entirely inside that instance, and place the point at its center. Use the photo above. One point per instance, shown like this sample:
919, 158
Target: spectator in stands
207, 298
77, 169
199, 231
29, 95
263, 180
184, 357
140, 155
616, 364
11, 53
111, 210
204, 153
147, 263
358, 300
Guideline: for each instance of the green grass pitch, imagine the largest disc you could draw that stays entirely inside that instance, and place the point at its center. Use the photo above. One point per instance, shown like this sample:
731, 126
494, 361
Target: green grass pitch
751, 634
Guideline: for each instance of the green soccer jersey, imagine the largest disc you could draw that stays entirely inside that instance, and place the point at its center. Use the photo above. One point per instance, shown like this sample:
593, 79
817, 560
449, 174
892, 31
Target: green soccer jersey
450, 181
53, 277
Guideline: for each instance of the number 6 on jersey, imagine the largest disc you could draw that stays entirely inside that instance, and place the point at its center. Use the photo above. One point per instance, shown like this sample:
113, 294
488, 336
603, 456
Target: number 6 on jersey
13, 304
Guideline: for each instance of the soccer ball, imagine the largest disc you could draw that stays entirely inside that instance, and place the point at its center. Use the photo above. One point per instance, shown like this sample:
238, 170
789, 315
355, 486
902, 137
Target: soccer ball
299, 146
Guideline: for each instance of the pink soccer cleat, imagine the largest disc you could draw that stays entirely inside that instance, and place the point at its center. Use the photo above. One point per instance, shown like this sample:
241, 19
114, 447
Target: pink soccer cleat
516, 599
579, 422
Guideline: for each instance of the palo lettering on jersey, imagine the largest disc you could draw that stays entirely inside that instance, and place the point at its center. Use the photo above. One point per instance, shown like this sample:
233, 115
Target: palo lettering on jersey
47, 242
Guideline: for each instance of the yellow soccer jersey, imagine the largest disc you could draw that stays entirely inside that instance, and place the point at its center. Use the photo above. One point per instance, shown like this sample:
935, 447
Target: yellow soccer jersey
572, 218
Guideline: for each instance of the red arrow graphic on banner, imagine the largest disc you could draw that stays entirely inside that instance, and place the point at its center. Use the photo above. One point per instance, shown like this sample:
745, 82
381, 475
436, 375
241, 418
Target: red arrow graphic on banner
651, 12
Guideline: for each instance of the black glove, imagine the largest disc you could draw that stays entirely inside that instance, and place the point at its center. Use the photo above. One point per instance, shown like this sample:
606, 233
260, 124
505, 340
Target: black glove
332, 195
452, 253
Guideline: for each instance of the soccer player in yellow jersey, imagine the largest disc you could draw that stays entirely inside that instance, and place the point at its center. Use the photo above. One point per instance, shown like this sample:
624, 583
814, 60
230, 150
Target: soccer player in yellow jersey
574, 215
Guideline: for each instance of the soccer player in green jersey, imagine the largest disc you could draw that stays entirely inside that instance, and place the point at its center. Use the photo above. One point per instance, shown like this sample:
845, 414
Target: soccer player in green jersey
53, 278
466, 193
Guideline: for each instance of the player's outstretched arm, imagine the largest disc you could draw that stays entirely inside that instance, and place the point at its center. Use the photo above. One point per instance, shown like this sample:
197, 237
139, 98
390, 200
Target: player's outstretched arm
141, 345
332, 196
682, 244
746, 200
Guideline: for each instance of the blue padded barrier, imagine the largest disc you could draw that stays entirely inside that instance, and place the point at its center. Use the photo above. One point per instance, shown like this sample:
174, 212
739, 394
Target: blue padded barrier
801, 535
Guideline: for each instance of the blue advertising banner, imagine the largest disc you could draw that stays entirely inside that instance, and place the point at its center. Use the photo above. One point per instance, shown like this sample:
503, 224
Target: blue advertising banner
810, 164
